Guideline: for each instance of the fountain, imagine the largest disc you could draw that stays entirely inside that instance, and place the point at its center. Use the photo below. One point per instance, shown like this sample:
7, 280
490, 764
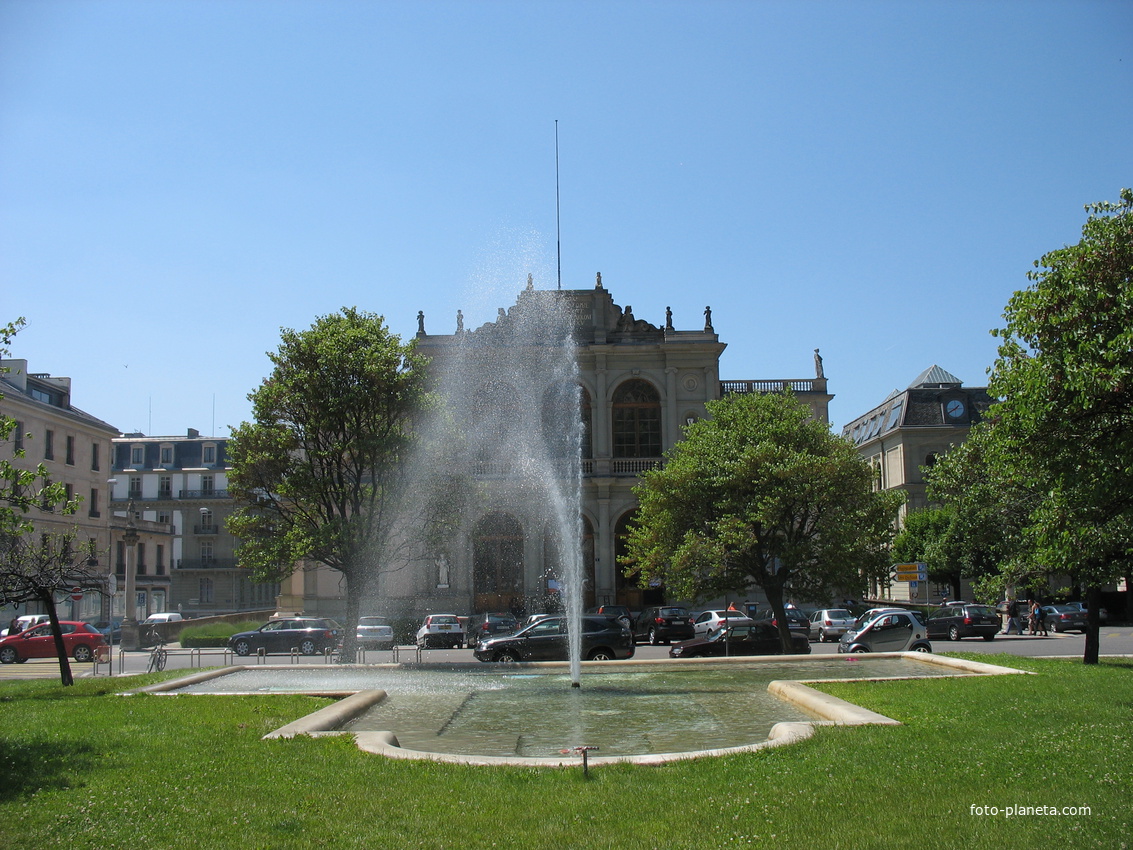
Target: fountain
513, 394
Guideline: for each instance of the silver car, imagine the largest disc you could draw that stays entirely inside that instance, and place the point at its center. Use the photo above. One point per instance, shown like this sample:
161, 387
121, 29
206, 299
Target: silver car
830, 623
902, 631
374, 633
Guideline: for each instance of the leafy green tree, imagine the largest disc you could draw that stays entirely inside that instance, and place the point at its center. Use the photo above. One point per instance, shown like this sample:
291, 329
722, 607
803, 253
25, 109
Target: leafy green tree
36, 567
1065, 373
761, 494
321, 473
924, 538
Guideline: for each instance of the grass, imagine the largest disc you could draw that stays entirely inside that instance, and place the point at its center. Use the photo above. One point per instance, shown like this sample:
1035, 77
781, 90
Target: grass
83, 768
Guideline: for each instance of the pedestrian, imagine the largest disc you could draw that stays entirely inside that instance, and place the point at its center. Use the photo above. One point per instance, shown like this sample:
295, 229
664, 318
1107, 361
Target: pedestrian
1033, 620
1013, 618
1040, 619
14, 627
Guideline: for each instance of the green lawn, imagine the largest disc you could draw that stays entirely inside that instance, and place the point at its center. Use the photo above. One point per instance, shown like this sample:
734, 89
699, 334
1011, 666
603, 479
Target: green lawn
82, 767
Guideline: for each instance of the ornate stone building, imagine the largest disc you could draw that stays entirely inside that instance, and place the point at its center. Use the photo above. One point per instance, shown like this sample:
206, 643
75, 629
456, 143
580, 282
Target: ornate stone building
632, 386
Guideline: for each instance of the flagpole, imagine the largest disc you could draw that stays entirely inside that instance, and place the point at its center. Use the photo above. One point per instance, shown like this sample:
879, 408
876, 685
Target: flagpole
558, 236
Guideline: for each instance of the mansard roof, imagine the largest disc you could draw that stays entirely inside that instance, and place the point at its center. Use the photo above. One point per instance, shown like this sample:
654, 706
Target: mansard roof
922, 404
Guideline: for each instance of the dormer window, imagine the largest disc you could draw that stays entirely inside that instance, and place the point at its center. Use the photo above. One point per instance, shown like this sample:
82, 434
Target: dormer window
209, 454
167, 455
137, 455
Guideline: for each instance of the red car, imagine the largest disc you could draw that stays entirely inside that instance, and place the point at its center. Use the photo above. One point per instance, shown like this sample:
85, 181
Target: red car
81, 639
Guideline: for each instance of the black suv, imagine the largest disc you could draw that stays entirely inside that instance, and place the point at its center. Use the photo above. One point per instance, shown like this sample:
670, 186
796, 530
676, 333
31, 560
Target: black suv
603, 639
663, 624
484, 626
796, 619
307, 635
957, 620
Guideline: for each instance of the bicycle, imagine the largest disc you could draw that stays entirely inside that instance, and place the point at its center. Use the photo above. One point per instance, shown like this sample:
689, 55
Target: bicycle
159, 654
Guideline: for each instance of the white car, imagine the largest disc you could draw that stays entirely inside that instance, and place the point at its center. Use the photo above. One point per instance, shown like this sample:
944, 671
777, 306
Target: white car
707, 622
374, 633
827, 623
441, 630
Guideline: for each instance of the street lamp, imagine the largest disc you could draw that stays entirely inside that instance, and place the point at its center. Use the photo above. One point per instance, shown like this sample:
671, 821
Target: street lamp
129, 621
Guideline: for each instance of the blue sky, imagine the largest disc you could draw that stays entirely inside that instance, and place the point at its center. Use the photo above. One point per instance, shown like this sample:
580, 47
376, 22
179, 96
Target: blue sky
179, 180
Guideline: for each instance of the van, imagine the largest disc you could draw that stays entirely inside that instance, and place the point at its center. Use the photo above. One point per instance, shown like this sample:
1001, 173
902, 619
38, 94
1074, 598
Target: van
26, 622
154, 619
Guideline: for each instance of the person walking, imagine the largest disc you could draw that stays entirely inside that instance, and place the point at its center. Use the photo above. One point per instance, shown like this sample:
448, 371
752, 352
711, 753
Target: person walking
1040, 619
1013, 618
1033, 620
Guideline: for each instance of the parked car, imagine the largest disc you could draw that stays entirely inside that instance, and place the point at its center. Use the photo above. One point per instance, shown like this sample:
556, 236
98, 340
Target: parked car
489, 625
958, 620
443, 630
374, 633
865, 619
603, 639
80, 640
796, 619
308, 635
895, 631
1103, 614
663, 624
830, 623
111, 629
167, 617
707, 622
1064, 618
616, 612
760, 637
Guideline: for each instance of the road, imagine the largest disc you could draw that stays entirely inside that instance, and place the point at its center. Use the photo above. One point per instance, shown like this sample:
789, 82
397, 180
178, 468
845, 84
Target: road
1115, 641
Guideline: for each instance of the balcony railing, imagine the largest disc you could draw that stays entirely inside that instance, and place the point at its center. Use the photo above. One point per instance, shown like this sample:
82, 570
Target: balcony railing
634, 465
206, 529
804, 385
206, 564
202, 494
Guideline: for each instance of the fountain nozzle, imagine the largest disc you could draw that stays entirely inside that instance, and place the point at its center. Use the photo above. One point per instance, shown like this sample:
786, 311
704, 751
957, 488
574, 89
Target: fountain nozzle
575, 685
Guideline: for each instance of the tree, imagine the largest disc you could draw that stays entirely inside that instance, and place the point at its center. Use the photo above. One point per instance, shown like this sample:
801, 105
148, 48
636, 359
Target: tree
37, 568
320, 474
761, 494
1065, 373
924, 538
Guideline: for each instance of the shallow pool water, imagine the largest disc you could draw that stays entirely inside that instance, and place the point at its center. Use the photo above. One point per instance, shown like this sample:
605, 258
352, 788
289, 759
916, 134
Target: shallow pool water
621, 710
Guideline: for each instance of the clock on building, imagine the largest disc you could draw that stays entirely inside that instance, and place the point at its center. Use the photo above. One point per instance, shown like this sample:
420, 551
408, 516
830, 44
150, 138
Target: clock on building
954, 408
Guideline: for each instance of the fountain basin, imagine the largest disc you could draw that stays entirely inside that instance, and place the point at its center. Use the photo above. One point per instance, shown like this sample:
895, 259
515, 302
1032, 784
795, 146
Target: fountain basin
645, 712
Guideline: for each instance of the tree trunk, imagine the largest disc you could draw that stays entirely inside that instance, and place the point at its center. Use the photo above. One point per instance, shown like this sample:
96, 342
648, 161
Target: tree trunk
348, 654
774, 595
1093, 624
66, 677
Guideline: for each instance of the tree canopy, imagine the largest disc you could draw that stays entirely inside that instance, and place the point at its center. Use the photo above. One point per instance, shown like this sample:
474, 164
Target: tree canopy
761, 494
1063, 430
319, 475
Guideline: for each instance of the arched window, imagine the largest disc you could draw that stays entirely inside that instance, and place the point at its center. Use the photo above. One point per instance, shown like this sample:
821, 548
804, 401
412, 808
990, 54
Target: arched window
497, 562
637, 420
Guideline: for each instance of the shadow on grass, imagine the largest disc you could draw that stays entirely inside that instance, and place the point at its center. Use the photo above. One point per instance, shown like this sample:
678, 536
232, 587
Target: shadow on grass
35, 766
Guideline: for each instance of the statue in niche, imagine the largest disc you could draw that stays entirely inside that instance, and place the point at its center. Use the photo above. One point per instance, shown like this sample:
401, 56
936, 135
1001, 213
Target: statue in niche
459, 322
668, 318
421, 322
442, 570
708, 320
598, 284
818, 373
530, 282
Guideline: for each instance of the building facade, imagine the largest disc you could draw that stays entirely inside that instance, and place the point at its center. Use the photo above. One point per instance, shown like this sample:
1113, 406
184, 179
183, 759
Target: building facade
905, 434
75, 448
185, 559
633, 386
